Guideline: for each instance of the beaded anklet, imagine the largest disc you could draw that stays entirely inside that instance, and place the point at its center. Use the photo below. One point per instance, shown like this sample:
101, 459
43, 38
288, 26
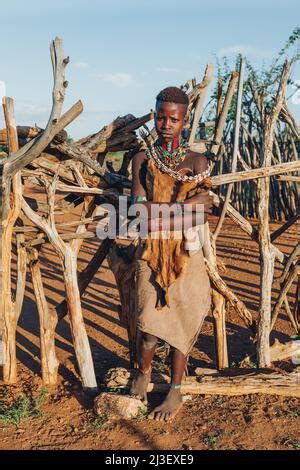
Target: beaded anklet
175, 387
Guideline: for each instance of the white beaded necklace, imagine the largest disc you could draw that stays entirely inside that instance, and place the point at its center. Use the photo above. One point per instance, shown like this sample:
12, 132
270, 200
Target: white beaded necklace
151, 153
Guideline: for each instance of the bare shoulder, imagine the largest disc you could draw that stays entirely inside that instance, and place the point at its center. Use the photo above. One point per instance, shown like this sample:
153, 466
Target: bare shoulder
200, 162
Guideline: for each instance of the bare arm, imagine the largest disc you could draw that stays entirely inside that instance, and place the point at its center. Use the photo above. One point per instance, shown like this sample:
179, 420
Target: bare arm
190, 205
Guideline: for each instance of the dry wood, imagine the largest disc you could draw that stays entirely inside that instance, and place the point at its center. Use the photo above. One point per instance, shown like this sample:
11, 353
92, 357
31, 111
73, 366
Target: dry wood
55, 123
65, 237
297, 306
232, 382
86, 276
69, 265
21, 273
294, 179
61, 169
265, 384
99, 142
223, 115
80, 172
74, 223
218, 305
200, 101
235, 151
245, 225
260, 173
278, 352
81, 154
267, 255
22, 131
285, 286
221, 286
11, 207
48, 322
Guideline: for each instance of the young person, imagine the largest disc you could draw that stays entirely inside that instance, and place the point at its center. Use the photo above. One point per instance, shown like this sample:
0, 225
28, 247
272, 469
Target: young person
179, 318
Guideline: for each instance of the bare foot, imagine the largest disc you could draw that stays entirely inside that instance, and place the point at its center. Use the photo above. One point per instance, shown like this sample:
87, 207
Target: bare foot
139, 386
169, 408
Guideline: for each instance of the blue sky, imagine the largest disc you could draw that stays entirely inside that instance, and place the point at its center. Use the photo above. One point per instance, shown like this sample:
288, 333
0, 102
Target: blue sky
123, 52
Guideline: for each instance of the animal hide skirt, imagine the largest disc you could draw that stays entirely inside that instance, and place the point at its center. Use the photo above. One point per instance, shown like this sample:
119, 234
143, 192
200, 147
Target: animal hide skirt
189, 299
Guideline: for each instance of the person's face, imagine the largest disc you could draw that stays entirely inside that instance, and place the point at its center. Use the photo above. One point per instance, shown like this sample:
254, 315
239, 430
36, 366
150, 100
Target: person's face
169, 119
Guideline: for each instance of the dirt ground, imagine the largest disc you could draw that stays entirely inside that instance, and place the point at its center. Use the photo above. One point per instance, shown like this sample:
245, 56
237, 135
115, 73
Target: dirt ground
67, 421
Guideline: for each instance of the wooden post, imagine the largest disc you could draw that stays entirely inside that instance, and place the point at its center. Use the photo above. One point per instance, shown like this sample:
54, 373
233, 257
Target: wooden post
48, 322
235, 150
218, 307
267, 255
11, 199
200, 100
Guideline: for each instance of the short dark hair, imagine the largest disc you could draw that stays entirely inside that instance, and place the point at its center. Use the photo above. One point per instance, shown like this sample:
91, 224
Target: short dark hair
172, 94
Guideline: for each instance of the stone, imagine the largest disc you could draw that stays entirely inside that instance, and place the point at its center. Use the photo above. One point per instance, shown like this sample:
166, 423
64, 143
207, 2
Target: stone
116, 406
117, 377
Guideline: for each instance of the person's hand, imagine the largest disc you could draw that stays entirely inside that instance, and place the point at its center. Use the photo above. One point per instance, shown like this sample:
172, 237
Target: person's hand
200, 198
207, 200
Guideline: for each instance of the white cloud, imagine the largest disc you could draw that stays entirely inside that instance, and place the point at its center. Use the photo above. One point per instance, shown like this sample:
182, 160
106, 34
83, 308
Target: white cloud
168, 70
121, 79
246, 50
80, 65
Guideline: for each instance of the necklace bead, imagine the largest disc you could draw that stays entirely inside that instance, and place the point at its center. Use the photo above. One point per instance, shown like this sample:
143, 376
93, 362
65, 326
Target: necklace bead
167, 162
172, 158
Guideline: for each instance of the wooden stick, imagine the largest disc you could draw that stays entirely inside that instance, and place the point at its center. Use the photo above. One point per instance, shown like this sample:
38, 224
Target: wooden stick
64, 237
291, 316
294, 179
55, 123
48, 322
11, 207
264, 384
228, 294
267, 255
36, 146
285, 286
245, 225
235, 150
218, 305
223, 116
86, 276
69, 265
256, 173
74, 223
21, 273
229, 382
200, 101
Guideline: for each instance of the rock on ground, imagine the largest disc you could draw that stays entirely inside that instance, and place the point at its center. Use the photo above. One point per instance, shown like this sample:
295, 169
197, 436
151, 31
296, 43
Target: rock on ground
116, 406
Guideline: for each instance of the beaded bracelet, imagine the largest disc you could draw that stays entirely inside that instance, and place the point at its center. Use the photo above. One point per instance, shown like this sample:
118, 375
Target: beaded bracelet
135, 199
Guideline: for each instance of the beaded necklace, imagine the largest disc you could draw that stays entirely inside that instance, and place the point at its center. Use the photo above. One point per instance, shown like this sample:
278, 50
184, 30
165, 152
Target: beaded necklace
152, 153
172, 157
